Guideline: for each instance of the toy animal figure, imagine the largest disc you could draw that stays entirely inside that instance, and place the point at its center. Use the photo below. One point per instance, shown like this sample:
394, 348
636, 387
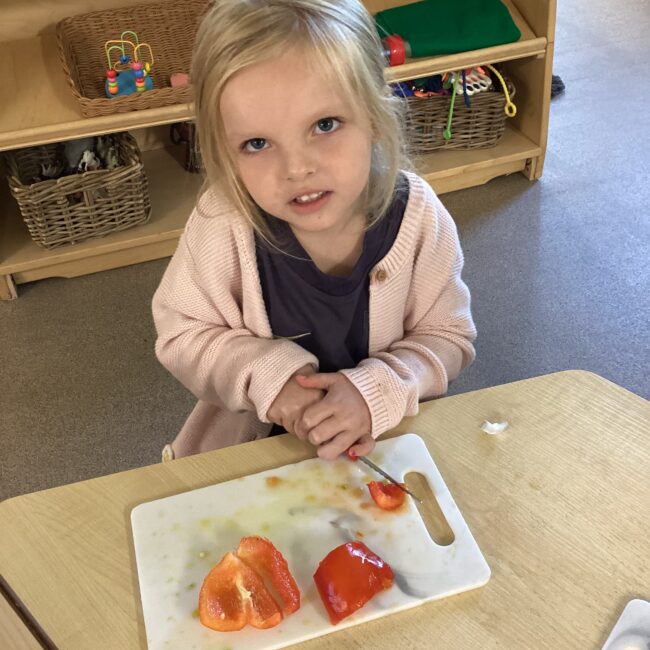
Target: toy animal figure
89, 162
102, 143
51, 171
107, 152
111, 159
74, 149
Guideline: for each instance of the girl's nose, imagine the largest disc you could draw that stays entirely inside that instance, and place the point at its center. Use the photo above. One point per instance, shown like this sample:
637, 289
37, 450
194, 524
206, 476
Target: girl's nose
299, 166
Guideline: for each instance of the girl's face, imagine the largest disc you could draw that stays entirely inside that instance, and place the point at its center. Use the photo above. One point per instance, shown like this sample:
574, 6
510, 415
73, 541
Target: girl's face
301, 150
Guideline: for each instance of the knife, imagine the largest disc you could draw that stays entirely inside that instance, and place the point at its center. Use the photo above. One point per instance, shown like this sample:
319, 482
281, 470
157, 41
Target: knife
380, 471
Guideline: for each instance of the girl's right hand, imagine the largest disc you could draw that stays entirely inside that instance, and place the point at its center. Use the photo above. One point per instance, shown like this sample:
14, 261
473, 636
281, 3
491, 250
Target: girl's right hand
287, 408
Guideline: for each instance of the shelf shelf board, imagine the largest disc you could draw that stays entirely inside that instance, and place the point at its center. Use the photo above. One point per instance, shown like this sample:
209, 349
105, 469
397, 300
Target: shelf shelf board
173, 194
514, 146
456, 169
42, 109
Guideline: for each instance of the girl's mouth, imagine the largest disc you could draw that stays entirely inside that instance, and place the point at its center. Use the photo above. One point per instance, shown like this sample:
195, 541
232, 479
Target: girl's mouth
311, 202
308, 198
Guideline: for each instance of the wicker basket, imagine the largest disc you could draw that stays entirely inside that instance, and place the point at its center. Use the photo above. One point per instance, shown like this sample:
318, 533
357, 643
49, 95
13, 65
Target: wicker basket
168, 27
79, 206
480, 126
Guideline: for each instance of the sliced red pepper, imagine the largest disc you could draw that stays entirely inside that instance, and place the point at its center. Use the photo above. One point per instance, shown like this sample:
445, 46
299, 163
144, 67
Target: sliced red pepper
387, 496
349, 577
260, 554
233, 595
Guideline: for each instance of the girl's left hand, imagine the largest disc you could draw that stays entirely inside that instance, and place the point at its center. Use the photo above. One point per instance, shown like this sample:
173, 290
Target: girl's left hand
340, 421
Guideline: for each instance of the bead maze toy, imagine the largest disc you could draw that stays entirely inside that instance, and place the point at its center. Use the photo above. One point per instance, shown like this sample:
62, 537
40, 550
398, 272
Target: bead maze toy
129, 73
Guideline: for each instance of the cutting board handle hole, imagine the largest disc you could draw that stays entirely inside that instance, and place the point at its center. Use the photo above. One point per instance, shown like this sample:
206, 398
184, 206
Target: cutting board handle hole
430, 511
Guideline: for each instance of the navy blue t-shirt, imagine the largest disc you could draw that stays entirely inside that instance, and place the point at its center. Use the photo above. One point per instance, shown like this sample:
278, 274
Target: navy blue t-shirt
325, 314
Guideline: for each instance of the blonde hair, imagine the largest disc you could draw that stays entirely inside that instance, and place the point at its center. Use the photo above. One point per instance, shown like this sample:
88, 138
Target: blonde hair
235, 34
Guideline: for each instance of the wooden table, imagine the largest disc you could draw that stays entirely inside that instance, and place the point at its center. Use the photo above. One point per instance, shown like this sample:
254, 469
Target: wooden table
558, 503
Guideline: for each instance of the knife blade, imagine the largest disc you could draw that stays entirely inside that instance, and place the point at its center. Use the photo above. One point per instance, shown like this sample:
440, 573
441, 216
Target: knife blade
387, 476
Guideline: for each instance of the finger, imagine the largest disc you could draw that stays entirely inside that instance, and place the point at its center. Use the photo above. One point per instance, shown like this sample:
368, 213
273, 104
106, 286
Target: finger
313, 415
300, 430
322, 380
337, 445
363, 446
325, 431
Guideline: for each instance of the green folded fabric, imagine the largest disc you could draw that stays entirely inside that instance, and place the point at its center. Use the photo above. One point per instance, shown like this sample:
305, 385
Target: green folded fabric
446, 26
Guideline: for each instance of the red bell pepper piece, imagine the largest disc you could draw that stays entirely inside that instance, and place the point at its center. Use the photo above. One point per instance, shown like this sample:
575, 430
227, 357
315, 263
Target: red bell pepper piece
233, 595
349, 577
265, 559
387, 496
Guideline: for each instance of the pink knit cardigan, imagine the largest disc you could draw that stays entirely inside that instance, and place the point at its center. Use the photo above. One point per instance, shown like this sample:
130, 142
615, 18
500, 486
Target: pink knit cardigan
214, 334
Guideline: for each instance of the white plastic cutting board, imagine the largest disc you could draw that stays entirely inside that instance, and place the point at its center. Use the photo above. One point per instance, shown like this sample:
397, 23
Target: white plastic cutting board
306, 510
632, 630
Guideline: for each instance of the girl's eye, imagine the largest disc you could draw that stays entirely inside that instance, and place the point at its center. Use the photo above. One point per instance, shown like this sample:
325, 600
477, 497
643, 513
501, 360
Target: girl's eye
255, 144
327, 125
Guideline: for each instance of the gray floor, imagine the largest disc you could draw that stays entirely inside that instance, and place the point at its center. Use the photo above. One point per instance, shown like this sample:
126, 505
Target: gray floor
559, 272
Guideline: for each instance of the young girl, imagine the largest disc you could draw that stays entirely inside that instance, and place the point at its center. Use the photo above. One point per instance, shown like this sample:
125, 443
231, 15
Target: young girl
316, 288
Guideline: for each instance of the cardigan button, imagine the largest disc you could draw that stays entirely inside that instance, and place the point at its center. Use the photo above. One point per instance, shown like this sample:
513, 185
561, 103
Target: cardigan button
380, 275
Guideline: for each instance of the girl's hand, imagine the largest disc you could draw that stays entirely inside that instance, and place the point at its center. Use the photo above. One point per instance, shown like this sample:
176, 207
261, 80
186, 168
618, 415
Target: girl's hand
339, 421
292, 400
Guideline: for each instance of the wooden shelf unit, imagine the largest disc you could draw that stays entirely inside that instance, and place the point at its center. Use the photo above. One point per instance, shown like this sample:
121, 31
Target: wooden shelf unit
41, 109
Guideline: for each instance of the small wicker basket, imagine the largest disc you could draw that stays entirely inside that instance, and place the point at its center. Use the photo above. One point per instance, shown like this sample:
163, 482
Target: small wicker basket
73, 208
168, 27
480, 126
